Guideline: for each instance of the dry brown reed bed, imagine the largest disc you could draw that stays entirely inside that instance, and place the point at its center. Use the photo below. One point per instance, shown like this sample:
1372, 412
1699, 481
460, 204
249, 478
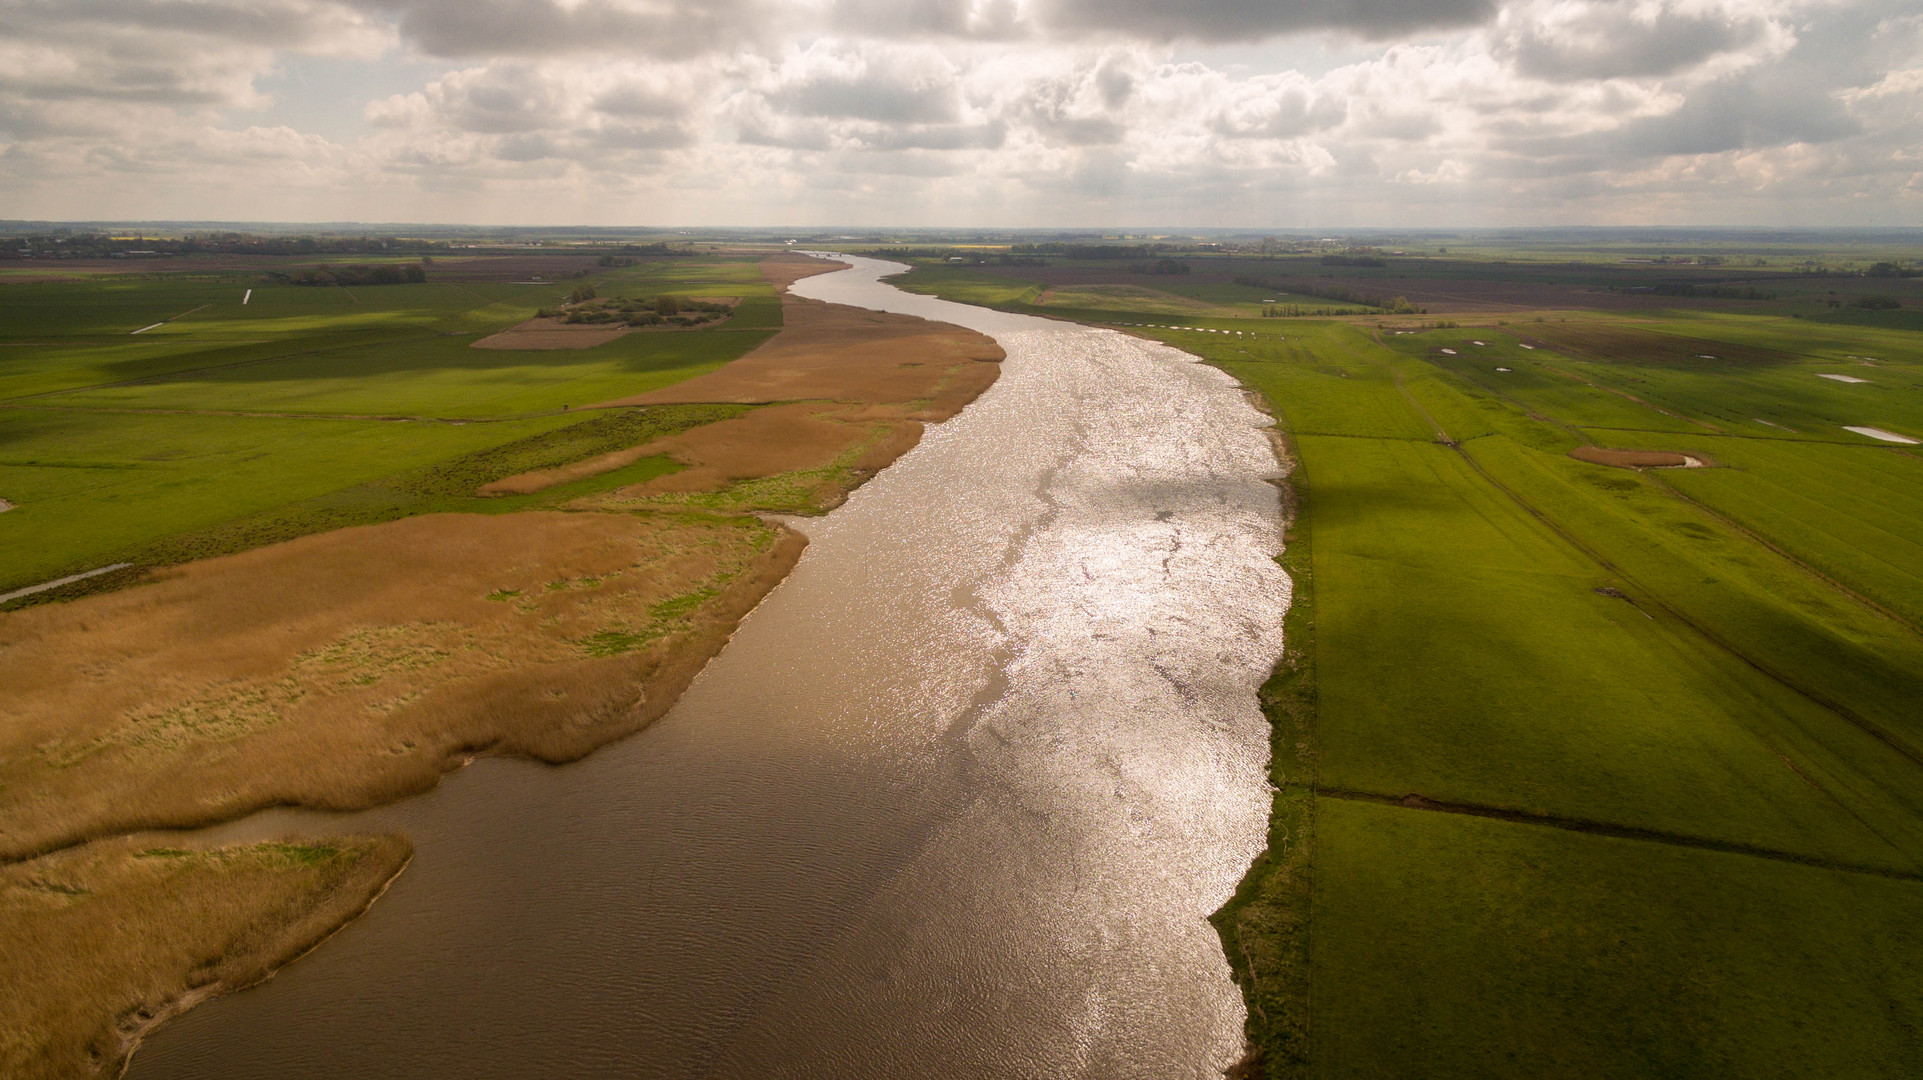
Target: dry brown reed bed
350, 668
347, 669
105, 941
863, 382
829, 352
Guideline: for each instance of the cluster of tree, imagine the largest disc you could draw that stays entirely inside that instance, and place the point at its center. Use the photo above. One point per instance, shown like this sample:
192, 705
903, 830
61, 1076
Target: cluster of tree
661, 248
1296, 311
638, 310
387, 274
615, 260
951, 255
1398, 305
1879, 303
899, 253
1720, 292
1890, 269
1352, 260
1162, 267
1093, 252
100, 245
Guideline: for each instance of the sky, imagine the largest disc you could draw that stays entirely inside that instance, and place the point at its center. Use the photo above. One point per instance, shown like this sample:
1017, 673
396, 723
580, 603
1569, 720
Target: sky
1259, 114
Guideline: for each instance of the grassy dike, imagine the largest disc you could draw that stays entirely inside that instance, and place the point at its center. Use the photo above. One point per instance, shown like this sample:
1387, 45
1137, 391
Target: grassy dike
1582, 771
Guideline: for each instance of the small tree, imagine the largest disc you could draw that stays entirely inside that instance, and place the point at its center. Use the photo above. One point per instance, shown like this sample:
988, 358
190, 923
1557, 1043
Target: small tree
666, 306
582, 294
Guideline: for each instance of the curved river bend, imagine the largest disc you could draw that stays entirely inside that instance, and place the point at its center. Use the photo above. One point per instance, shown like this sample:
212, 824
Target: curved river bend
955, 801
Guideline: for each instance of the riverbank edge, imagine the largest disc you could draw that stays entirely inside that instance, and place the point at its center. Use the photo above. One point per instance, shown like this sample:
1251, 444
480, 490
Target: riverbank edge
388, 857
1265, 924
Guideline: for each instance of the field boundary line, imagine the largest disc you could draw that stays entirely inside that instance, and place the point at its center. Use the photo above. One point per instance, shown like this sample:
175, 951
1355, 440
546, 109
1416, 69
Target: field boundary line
16, 594
1611, 829
1789, 558
1842, 711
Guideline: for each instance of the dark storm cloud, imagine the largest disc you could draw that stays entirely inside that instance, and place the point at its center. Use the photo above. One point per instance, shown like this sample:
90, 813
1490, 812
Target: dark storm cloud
1609, 42
463, 28
1249, 20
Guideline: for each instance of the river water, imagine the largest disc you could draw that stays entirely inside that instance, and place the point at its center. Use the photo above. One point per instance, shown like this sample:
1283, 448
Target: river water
955, 801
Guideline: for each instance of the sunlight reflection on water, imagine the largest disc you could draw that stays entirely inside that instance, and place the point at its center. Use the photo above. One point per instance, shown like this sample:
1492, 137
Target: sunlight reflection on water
956, 800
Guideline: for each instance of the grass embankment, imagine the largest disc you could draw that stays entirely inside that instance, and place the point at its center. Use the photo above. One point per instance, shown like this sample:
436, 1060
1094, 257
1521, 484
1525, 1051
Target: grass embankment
1577, 776
106, 941
345, 648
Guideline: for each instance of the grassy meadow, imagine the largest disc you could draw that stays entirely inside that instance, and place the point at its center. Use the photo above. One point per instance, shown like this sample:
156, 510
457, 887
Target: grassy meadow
305, 406
1581, 770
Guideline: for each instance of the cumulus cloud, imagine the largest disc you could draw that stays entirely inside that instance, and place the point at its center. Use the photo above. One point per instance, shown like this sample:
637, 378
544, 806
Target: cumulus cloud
472, 28
1010, 111
1246, 20
1608, 39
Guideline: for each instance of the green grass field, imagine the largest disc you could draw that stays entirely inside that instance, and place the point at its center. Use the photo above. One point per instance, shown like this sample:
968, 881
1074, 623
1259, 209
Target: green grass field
1587, 771
120, 446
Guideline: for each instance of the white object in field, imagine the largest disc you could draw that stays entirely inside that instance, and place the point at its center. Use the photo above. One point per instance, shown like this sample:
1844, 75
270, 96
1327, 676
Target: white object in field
1502, 369
1839, 378
144, 329
246, 296
1447, 352
1879, 433
1706, 356
1482, 343
1529, 347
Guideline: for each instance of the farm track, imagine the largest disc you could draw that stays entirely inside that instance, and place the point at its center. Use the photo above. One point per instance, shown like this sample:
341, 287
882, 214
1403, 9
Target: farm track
1789, 558
1605, 828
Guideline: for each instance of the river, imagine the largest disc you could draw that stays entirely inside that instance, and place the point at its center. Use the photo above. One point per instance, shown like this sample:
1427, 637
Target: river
954, 802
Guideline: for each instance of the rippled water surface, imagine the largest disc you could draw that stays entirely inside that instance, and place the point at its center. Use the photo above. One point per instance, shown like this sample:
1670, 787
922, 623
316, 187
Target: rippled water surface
955, 801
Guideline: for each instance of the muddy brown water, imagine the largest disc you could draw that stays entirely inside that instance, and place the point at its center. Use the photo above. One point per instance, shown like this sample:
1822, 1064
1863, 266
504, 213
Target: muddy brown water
955, 801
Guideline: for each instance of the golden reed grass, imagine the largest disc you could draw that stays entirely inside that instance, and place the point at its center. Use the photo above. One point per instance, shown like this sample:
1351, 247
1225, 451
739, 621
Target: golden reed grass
351, 668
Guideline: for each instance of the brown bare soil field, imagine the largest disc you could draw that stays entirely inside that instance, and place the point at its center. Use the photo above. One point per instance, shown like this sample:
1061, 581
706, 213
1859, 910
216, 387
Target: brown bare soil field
828, 352
765, 442
1613, 342
788, 267
1628, 459
528, 483
551, 334
350, 668
106, 941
